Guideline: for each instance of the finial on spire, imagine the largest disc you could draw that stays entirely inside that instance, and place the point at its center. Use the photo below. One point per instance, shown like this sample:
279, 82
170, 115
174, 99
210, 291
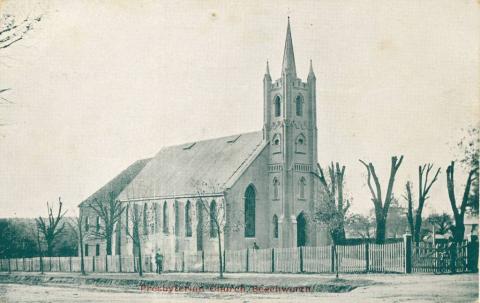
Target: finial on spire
288, 66
267, 72
311, 73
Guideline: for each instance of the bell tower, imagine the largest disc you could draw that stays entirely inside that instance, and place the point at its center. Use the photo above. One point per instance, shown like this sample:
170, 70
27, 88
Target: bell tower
290, 128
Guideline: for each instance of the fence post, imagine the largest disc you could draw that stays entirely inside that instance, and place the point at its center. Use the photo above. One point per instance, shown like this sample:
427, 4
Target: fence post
247, 259
367, 257
407, 240
120, 262
70, 263
273, 259
332, 254
472, 254
203, 261
301, 258
106, 263
224, 261
9, 266
50, 258
93, 263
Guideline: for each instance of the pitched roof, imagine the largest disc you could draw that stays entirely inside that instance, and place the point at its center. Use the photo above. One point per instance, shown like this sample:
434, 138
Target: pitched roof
175, 170
117, 184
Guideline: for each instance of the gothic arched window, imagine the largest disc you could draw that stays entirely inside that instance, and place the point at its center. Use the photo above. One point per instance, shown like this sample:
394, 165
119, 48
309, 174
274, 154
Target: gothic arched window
87, 223
165, 217
277, 105
213, 218
177, 218
275, 226
300, 144
301, 188
250, 211
152, 219
188, 219
157, 217
276, 186
126, 220
145, 220
97, 224
299, 105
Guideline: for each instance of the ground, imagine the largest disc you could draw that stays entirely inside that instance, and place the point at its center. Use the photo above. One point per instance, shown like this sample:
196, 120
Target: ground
376, 288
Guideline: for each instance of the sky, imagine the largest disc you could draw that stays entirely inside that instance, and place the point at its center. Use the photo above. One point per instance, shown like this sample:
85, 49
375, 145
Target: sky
98, 85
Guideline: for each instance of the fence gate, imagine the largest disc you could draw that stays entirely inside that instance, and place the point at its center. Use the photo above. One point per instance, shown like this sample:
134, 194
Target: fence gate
439, 258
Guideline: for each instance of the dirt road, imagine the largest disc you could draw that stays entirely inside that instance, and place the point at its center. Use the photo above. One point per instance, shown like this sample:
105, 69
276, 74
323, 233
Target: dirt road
392, 288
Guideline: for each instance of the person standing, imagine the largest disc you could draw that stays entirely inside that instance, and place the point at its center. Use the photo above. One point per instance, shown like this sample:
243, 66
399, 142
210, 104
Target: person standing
159, 262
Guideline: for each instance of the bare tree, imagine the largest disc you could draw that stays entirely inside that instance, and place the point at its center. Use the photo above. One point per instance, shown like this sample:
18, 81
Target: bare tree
13, 30
469, 147
424, 186
135, 219
381, 204
77, 226
459, 213
109, 212
332, 211
217, 214
52, 228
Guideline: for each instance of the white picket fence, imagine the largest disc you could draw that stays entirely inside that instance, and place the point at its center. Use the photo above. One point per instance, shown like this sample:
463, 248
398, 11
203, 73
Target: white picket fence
324, 259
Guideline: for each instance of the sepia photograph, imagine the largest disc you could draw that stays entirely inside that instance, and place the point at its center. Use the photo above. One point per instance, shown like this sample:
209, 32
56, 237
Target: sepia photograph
240, 151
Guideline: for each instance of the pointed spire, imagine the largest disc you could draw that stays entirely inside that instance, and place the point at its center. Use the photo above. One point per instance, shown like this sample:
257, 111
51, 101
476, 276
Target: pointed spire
267, 71
311, 74
288, 66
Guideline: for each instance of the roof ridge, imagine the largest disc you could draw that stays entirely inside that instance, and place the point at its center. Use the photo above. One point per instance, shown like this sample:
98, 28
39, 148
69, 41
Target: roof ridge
205, 140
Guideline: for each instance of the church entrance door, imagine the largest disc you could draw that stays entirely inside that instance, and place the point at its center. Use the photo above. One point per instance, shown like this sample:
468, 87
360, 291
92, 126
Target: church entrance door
301, 230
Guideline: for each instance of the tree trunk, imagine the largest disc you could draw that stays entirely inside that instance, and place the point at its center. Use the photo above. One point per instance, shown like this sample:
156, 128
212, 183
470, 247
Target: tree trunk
82, 261
220, 266
381, 230
459, 229
49, 248
109, 244
418, 227
140, 267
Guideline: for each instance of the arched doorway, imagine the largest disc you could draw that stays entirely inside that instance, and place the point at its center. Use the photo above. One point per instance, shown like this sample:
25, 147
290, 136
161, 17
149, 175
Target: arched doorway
301, 230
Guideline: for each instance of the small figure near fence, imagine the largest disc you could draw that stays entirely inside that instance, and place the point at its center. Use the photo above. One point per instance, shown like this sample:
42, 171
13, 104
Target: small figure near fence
255, 245
159, 262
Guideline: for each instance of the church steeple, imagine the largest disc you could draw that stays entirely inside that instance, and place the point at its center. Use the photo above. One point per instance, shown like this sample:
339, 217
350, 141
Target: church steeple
288, 66
311, 74
267, 72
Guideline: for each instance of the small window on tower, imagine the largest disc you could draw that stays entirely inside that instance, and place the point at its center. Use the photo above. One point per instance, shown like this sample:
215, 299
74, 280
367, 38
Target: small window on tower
276, 186
299, 105
300, 144
276, 148
277, 105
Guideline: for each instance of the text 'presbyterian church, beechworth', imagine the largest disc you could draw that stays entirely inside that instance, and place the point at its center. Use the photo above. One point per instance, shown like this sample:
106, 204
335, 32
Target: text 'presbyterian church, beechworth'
265, 182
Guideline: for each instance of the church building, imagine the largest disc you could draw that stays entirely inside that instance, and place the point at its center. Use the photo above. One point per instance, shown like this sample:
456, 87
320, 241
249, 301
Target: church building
263, 181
